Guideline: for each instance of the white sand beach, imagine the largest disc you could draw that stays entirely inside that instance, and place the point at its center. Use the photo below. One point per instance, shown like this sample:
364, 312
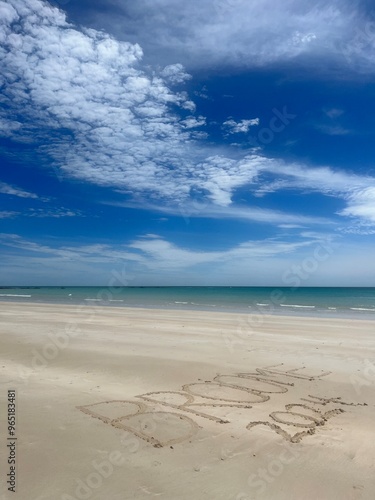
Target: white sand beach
119, 403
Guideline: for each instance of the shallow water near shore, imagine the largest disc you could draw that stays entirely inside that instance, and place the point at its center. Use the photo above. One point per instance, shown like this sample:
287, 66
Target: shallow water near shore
344, 302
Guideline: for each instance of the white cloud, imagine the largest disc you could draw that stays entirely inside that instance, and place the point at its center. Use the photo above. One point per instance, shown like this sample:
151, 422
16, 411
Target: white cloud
55, 213
357, 191
218, 177
109, 122
207, 210
321, 179
151, 235
248, 33
153, 261
333, 129
243, 126
193, 122
361, 204
15, 191
290, 226
153, 252
117, 123
331, 124
80, 253
8, 127
175, 73
126, 132
165, 255
6, 214
120, 126
359, 228
333, 112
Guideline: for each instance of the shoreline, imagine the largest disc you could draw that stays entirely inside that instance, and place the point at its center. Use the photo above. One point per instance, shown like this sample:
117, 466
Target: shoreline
290, 311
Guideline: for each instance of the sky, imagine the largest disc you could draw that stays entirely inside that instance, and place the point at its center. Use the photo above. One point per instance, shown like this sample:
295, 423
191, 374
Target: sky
187, 143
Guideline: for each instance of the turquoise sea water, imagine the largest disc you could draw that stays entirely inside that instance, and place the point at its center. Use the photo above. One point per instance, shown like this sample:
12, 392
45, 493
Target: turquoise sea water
330, 302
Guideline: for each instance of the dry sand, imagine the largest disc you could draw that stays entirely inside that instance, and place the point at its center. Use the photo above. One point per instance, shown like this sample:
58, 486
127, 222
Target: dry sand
116, 404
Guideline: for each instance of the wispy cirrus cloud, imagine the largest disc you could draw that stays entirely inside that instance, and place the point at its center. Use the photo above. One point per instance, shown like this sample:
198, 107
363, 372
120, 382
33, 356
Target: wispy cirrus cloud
154, 252
331, 123
243, 34
323, 179
208, 210
330, 129
357, 191
15, 191
55, 213
164, 254
88, 253
333, 112
8, 214
361, 203
148, 259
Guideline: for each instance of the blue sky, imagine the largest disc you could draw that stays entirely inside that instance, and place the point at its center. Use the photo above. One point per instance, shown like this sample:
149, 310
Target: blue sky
187, 143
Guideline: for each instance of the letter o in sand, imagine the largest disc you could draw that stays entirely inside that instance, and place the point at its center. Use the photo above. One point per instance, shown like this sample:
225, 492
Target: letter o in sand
98, 480
215, 395
275, 416
243, 378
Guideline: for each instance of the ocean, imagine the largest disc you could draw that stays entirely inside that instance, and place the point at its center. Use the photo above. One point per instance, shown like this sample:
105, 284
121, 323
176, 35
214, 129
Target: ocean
356, 303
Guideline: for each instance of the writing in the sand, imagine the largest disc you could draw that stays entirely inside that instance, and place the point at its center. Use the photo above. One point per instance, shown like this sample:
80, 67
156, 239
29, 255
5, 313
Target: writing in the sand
201, 399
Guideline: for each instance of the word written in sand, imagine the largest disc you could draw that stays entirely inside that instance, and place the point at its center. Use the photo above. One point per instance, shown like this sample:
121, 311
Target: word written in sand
242, 390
